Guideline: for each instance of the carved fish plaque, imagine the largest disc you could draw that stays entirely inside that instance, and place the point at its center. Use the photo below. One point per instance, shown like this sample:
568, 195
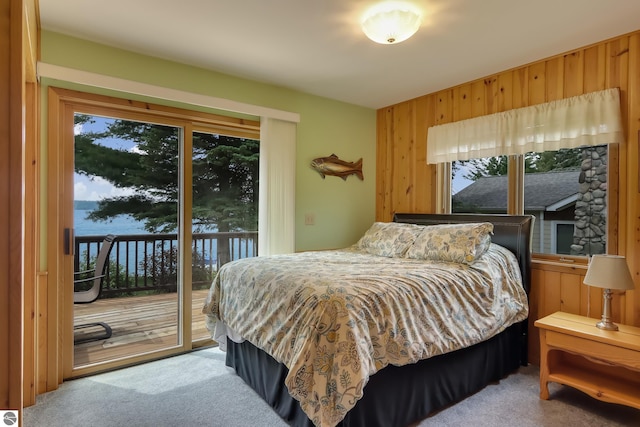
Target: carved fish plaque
333, 166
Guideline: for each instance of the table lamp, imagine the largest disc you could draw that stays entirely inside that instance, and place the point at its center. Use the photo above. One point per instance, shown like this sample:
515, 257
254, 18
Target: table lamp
608, 272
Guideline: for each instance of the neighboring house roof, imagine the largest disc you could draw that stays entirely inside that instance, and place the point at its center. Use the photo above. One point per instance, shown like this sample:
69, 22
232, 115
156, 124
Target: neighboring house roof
543, 191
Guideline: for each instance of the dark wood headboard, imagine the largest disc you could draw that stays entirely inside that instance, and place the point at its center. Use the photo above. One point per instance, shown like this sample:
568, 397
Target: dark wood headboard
511, 231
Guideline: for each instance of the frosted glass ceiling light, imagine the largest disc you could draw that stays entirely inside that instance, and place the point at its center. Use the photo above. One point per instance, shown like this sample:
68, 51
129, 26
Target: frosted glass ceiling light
391, 22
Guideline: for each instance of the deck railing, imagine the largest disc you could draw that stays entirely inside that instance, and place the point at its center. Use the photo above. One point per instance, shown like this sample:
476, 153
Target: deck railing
149, 262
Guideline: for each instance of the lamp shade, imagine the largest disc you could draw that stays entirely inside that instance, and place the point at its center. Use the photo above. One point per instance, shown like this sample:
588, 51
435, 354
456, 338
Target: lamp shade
609, 272
391, 23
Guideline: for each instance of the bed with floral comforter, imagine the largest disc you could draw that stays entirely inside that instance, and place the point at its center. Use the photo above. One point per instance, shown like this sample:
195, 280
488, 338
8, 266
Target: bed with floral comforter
335, 318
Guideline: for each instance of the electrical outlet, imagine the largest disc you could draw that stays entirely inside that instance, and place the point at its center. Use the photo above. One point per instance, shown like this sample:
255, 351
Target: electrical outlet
309, 219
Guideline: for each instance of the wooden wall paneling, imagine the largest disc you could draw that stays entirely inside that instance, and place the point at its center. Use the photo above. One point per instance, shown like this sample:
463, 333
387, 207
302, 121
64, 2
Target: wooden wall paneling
42, 346
412, 160
617, 65
491, 91
462, 103
535, 300
552, 292
30, 237
570, 287
554, 77
15, 72
504, 91
455, 104
618, 306
430, 120
584, 298
424, 197
520, 88
31, 53
617, 75
403, 126
594, 68
431, 103
7, 105
633, 188
537, 78
477, 98
384, 163
573, 74
593, 301
444, 107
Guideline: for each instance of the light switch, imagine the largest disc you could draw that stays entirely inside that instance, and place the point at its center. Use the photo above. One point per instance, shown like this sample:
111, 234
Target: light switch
309, 219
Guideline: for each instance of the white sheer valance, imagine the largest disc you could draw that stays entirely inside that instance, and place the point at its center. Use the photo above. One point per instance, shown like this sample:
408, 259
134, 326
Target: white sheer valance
276, 201
590, 119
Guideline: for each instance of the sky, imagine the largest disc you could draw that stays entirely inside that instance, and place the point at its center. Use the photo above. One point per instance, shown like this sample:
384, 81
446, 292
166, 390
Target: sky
97, 188
459, 182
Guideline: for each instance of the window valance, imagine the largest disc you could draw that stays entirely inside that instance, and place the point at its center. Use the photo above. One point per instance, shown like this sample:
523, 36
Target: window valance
590, 119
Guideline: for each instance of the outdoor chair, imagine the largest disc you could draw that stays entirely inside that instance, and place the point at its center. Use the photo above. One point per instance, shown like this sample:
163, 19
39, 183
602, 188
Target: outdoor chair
94, 276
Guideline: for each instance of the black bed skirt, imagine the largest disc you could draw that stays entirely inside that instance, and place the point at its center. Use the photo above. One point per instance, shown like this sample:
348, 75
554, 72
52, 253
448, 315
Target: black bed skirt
395, 396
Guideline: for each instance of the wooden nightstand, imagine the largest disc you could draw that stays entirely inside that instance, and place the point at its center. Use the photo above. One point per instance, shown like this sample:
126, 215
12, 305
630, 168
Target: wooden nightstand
603, 364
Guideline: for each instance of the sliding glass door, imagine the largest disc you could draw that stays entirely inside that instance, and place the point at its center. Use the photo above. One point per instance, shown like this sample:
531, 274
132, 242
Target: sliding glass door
173, 194
224, 209
126, 184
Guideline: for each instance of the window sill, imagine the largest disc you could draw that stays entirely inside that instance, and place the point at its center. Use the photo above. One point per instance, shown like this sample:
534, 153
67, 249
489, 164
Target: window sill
560, 263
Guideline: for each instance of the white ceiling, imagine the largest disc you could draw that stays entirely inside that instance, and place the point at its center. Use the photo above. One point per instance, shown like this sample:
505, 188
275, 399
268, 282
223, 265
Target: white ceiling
317, 47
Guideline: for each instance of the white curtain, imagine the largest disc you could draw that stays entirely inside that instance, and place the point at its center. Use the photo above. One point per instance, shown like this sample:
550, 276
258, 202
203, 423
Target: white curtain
590, 119
276, 201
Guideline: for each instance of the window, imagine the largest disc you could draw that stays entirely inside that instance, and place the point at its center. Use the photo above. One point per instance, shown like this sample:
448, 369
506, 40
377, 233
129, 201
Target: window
566, 190
549, 160
563, 237
479, 185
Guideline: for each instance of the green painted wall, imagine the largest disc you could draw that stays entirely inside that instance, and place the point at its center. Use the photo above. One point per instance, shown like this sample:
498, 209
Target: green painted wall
343, 210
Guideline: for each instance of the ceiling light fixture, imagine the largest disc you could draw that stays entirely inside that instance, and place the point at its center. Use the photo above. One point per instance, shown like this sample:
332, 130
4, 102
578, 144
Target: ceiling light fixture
391, 22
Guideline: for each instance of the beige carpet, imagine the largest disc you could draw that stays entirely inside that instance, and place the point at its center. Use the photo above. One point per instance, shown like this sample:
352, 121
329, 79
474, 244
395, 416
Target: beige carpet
197, 389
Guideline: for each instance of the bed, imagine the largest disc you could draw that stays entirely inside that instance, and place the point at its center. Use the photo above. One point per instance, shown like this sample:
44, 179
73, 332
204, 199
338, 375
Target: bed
379, 334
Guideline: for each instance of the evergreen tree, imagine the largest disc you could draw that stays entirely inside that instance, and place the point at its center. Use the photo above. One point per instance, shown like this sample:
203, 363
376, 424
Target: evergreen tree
570, 158
225, 173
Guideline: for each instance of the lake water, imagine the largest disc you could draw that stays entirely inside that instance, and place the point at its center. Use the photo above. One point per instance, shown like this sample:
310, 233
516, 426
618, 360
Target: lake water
122, 224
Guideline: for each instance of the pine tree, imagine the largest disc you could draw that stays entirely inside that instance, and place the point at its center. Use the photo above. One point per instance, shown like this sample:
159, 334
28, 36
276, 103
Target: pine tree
225, 176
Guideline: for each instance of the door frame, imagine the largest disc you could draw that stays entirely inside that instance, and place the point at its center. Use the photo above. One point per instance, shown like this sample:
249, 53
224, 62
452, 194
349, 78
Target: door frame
58, 328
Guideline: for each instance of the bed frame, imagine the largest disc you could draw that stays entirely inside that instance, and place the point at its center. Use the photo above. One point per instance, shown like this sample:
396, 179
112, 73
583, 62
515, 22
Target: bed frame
400, 396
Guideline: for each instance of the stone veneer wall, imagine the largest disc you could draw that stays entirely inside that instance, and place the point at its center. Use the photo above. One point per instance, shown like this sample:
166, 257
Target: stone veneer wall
591, 206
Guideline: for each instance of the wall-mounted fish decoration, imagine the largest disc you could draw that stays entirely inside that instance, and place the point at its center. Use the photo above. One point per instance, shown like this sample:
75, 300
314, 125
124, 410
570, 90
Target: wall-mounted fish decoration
332, 165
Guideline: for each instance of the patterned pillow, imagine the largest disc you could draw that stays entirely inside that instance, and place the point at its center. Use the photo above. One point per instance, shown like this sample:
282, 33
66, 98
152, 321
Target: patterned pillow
461, 243
389, 239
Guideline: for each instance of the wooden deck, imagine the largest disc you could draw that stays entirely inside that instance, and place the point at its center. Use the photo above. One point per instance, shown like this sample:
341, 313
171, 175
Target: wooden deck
139, 325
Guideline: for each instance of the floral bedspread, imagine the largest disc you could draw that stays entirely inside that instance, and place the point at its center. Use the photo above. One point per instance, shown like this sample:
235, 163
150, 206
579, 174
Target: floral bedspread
334, 318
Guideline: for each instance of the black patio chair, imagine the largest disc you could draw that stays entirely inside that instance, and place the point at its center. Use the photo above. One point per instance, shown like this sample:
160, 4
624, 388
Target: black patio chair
95, 275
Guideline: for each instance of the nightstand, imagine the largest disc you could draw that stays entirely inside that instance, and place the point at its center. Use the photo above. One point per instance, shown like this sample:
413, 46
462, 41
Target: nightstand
603, 364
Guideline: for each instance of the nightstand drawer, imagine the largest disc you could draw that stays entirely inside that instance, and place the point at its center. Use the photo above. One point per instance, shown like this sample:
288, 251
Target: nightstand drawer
606, 353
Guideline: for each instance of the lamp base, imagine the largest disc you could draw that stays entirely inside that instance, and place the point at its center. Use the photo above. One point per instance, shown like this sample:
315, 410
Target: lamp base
606, 322
607, 325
